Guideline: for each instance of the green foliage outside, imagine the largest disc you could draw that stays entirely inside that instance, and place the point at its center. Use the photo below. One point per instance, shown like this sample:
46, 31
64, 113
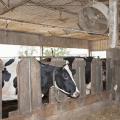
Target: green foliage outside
47, 51
55, 52
28, 51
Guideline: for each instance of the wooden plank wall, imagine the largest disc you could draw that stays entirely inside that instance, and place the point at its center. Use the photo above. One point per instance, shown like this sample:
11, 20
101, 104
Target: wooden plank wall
17, 38
98, 45
21, 38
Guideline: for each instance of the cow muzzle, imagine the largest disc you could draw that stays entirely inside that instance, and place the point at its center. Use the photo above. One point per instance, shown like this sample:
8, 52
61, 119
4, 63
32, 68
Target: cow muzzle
75, 94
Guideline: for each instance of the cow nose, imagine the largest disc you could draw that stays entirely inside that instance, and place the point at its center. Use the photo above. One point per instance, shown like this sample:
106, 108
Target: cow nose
76, 94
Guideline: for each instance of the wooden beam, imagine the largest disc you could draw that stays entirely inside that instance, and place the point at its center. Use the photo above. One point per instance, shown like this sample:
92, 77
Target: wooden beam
99, 45
113, 23
19, 38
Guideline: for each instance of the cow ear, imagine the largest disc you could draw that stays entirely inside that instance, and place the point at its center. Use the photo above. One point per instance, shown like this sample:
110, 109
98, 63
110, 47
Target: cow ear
73, 71
9, 62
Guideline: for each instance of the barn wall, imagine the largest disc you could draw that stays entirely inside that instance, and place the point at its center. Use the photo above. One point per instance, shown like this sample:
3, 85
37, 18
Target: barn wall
99, 45
17, 38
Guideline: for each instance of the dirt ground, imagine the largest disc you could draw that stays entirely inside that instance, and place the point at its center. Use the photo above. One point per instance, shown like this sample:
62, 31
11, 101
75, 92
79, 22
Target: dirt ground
109, 113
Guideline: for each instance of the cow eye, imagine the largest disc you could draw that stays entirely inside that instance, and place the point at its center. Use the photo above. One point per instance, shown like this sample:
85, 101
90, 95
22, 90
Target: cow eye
65, 75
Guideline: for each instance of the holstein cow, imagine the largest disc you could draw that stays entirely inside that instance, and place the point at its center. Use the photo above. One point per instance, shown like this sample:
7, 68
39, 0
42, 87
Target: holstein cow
9, 102
8, 74
60, 77
88, 61
63, 79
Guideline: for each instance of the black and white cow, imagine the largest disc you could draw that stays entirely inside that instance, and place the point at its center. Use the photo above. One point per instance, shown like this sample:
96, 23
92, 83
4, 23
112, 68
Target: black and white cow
8, 74
5, 74
63, 79
88, 61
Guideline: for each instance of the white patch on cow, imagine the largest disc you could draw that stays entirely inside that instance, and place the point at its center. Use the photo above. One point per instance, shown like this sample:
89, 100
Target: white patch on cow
75, 94
67, 62
115, 87
66, 67
42, 95
8, 91
88, 88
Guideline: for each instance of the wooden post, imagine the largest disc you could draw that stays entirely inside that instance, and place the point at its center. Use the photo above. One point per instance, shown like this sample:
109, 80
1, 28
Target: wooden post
113, 55
113, 23
108, 75
36, 83
79, 66
1, 67
96, 76
29, 85
54, 94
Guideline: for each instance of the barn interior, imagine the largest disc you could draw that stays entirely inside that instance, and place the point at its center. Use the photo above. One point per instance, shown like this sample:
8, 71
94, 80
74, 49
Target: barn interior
56, 23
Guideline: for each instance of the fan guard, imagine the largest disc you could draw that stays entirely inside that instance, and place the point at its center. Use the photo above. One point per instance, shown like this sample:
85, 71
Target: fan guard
94, 18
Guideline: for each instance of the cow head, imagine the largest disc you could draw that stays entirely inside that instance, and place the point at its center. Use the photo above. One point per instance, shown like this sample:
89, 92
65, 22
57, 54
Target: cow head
64, 82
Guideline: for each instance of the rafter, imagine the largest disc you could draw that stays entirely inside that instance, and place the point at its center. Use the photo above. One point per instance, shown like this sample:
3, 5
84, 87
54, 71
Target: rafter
13, 7
4, 4
54, 7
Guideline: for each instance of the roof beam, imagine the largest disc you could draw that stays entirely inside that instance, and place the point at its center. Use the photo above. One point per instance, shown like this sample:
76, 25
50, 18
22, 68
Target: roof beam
52, 26
21, 38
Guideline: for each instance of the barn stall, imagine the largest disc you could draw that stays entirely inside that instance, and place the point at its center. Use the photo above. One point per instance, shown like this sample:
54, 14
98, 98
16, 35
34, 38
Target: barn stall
32, 27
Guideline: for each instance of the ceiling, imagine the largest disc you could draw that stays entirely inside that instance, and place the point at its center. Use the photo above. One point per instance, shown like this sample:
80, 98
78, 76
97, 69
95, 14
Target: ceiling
46, 17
